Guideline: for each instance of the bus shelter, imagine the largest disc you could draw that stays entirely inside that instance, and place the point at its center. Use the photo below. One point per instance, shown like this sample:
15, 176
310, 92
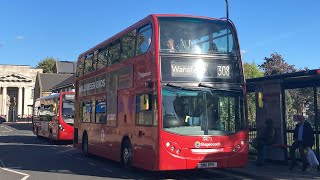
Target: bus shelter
281, 97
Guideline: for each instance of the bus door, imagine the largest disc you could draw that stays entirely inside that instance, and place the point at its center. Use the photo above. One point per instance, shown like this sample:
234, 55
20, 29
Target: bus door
145, 131
45, 118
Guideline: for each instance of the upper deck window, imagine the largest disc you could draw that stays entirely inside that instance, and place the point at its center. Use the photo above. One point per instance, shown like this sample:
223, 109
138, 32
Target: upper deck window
199, 36
144, 39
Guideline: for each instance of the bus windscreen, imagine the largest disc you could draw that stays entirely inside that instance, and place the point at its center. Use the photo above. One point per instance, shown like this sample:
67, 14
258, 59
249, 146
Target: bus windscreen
202, 111
68, 109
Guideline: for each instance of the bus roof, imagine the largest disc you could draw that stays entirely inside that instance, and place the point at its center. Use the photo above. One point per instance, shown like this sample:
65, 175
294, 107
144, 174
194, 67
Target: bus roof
53, 95
149, 17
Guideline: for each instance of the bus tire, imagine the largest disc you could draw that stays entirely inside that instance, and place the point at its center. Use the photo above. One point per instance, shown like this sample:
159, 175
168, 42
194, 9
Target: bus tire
37, 132
126, 154
85, 146
51, 140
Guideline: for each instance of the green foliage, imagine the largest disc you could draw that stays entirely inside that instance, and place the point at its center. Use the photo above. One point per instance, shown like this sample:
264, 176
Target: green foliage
251, 70
47, 64
275, 64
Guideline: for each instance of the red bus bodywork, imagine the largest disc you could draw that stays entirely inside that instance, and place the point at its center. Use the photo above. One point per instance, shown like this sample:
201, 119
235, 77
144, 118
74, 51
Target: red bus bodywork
152, 148
54, 126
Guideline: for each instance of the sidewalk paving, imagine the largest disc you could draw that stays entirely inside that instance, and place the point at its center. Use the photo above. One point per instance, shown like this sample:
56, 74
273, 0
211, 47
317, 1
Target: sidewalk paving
276, 171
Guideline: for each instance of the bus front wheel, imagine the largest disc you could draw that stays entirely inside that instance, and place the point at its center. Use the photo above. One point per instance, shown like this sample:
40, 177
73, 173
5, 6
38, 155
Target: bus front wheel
126, 154
85, 145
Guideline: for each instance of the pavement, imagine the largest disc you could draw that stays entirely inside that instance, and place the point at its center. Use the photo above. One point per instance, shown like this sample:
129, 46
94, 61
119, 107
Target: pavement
275, 171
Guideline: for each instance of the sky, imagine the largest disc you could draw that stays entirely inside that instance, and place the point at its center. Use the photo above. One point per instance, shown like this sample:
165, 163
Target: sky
33, 30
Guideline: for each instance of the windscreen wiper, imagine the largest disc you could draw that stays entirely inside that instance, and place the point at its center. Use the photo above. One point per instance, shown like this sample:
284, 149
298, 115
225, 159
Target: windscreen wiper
179, 87
217, 89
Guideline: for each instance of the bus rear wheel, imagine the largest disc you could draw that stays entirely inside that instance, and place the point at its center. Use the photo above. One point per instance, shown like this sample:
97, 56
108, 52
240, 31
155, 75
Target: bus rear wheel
37, 132
126, 154
85, 145
51, 140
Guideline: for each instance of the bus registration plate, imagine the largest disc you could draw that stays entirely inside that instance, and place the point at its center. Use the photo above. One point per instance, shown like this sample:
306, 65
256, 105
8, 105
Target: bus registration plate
207, 165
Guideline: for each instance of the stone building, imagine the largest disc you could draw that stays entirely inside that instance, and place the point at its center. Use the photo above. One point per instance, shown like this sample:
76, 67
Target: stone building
17, 84
62, 79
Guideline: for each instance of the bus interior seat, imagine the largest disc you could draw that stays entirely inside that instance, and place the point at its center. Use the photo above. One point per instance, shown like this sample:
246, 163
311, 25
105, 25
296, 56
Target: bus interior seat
213, 47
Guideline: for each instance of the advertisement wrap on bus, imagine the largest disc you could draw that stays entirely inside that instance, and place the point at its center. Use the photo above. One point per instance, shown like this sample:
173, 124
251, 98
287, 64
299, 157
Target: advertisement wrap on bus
167, 93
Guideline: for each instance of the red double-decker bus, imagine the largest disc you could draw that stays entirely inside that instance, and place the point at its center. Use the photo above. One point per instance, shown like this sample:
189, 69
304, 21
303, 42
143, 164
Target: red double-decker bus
53, 116
167, 93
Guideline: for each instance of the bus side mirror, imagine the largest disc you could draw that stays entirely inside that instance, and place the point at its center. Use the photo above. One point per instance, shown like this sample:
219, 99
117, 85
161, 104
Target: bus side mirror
54, 107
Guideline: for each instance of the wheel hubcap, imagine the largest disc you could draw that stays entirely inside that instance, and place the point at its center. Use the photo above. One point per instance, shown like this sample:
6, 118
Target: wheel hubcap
126, 155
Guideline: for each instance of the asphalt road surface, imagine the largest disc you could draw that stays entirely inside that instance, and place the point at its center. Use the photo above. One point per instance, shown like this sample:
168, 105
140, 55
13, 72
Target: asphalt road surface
23, 156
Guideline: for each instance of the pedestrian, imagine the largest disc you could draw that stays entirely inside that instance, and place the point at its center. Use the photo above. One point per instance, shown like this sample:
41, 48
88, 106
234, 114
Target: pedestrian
264, 139
303, 139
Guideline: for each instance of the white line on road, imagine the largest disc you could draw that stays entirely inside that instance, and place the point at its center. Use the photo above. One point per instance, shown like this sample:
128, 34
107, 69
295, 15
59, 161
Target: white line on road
2, 165
24, 174
22, 144
10, 170
109, 170
64, 151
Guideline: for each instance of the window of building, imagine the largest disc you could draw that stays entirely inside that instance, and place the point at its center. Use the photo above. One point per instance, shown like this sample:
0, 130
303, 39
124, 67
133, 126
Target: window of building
32, 94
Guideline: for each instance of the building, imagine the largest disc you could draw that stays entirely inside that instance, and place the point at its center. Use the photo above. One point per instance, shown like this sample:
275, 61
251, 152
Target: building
17, 84
65, 86
62, 79
45, 82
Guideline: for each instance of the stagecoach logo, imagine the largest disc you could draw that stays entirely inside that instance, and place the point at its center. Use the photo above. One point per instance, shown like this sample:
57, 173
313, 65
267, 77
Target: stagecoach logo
199, 144
143, 75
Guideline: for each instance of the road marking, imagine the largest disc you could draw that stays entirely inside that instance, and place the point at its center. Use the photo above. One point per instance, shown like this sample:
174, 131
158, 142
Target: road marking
109, 170
22, 144
2, 165
26, 176
92, 164
64, 151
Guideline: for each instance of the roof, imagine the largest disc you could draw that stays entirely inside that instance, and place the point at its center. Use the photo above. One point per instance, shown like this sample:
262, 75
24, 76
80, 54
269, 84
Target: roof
299, 79
49, 80
67, 82
66, 67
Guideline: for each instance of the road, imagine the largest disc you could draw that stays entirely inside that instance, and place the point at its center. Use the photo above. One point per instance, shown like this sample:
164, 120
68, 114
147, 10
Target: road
23, 156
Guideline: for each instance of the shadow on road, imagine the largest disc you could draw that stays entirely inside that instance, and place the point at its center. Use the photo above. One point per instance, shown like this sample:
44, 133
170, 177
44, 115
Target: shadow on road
17, 126
36, 154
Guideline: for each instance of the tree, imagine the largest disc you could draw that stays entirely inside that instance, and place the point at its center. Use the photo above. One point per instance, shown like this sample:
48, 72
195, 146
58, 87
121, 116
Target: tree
47, 64
275, 64
251, 70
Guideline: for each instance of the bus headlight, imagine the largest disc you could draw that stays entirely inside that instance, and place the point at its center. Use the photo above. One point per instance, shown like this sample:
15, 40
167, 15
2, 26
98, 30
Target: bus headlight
242, 142
168, 144
61, 128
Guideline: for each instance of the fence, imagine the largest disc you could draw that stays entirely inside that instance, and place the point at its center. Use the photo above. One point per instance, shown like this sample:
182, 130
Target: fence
289, 134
